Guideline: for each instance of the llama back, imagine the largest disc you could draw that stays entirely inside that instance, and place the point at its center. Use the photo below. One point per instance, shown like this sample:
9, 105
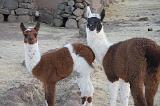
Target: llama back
53, 63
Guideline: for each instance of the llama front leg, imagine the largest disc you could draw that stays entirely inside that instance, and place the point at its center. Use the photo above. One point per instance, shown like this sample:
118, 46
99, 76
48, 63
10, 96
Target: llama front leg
50, 94
124, 92
113, 92
87, 90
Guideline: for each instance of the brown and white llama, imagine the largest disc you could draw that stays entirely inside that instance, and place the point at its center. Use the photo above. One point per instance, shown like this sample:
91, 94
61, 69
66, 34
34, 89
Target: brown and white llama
129, 65
58, 64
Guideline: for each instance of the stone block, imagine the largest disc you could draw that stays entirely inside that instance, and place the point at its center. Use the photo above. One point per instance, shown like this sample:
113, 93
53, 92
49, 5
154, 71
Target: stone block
10, 4
71, 23
57, 22
22, 11
5, 11
78, 12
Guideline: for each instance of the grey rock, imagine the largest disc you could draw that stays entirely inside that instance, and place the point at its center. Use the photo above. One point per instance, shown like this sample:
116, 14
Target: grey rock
57, 12
71, 23
150, 29
59, 17
46, 18
80, 5
82, 21
12, 12
71, 3
57, 22
78, 12
82, 29
1, 18
25, 1
61, 6
78, 18
26, 5
10, 4
79, 1
5, 11
65, 15
69, 9
22, 11
143, 19
72, 17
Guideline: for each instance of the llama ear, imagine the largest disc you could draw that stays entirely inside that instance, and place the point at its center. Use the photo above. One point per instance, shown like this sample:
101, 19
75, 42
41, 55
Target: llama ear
102, 14
37, 26
23, 28
88, 12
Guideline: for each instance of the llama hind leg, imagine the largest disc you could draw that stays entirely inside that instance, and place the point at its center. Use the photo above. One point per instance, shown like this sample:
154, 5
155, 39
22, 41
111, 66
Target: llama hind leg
151, 88
49, 94
124, 92
137, 90
113, 92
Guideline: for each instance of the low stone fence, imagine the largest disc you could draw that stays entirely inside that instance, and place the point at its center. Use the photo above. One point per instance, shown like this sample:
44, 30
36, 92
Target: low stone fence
17, 10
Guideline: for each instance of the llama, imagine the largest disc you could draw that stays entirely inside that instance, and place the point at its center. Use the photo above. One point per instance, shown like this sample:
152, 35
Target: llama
58, 64
131, 65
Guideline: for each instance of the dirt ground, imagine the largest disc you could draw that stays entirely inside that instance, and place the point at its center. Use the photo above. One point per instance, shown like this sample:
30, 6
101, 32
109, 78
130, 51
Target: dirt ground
125, 20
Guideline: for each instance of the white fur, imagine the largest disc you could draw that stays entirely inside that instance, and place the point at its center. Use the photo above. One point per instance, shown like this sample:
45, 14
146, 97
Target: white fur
82, 67
90, 14
98, 43
113, 92
124, 92
32, 55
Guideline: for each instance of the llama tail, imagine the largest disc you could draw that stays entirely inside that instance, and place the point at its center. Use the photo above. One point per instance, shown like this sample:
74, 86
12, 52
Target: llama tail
153, 56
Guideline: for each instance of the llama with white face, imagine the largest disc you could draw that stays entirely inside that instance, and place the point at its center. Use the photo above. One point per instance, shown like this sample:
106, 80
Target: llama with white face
58, 64
129, 65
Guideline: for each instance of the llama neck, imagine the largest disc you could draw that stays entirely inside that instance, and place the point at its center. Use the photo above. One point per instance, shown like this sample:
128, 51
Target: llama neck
98, 43
32, 56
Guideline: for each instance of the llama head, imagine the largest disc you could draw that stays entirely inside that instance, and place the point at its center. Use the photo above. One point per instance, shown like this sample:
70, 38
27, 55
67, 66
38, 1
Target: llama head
30, 34
94, 21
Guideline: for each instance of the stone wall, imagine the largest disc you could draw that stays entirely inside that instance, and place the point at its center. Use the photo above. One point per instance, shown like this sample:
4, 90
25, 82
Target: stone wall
18, 10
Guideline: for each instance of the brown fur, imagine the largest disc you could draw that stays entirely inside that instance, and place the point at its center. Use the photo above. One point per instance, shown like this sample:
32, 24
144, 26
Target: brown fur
136, 61
85, 52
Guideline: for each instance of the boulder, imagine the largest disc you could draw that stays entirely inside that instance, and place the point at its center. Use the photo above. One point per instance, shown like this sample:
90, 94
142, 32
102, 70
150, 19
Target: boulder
1, 18
82, 21
10, 4
22, 11
78, 12
26, 5
79, 1
5, 11
65, 15
57, 22
71, 3
82, 29
61, 6
71, 23
69, 9
80, 5
72, 17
